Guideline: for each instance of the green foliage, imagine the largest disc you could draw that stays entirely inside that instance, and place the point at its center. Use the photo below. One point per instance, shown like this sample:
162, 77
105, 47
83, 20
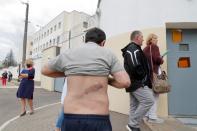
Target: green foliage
9, 60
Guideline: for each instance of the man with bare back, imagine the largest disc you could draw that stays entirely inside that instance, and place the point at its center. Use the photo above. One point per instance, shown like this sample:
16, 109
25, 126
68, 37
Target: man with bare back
87, 68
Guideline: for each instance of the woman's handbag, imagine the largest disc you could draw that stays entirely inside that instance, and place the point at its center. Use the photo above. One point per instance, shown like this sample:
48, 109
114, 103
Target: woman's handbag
160, 81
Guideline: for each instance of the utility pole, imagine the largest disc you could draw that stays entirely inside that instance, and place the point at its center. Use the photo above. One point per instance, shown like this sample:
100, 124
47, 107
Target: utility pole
25, 34
69, 38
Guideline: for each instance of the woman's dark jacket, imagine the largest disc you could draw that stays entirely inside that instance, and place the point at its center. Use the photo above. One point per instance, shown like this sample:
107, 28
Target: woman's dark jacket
156, 57
137, 66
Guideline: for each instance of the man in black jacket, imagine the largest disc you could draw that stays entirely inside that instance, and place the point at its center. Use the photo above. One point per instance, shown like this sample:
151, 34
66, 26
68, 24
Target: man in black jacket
136, 65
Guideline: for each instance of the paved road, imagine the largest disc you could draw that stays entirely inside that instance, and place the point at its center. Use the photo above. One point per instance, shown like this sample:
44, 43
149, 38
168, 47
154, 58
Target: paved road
10, 106
43, 119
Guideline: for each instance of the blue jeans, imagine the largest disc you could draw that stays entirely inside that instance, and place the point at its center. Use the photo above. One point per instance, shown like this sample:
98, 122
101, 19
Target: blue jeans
60, 118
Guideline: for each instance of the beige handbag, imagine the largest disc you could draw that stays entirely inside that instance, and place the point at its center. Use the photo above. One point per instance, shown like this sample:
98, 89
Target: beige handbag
160, 81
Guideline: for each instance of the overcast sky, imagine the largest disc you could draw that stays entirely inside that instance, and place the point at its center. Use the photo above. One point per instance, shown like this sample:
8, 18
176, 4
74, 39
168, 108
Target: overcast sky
12, 16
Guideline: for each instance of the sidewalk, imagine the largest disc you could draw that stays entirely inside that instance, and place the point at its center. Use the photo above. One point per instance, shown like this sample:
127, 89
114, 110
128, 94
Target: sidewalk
44, 120
170, 124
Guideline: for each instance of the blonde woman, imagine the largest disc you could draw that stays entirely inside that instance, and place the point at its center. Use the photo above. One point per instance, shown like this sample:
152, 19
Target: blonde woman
157, 60
26, 87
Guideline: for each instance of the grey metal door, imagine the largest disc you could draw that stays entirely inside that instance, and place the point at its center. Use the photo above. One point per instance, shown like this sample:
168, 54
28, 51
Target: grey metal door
183, 97
59, 82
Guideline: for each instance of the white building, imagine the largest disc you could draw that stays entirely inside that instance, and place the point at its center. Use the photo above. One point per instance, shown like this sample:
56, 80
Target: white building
175, 23
124, 16
56, 32
65, 31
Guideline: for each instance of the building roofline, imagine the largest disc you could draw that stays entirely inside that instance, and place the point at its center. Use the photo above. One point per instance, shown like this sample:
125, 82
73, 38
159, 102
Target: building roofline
181, 25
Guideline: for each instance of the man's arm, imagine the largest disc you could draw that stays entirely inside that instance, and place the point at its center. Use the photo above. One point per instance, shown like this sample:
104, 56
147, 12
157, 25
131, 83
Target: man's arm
51, 73
119, 80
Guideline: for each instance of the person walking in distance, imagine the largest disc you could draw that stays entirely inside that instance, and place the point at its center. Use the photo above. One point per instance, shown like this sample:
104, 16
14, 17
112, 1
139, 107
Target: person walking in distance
4, 78
9, 76
87, 68
153, 55
136, 65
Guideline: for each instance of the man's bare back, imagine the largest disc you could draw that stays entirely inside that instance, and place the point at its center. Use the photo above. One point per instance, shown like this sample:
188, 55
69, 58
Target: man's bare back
87, 68
87, 94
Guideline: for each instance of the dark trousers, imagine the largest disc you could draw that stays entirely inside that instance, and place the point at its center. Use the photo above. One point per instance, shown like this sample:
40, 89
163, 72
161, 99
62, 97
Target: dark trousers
4, 81
81, 122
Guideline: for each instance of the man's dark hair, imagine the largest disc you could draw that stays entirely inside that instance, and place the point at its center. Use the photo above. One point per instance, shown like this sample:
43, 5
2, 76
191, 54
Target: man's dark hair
95, 35
134, 34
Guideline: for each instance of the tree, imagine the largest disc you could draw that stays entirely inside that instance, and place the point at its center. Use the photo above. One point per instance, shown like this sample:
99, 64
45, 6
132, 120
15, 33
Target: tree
9, 60
1, 65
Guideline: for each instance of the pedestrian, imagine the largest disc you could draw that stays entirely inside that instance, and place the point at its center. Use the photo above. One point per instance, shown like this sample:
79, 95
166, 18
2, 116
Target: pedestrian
9, 76
136, 65
4, 78
87, 68
26, 87
61, 114
153, 54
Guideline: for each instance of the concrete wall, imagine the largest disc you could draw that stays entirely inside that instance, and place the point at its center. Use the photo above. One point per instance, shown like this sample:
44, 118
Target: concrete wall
119, 100
119, 16
47, 82
37, 66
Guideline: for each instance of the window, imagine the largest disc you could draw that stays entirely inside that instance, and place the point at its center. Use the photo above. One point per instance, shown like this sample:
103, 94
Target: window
47, 32
51, 30
59, 25
176, 36
53, 41
184, 62
183, 47
30, 53
55, 28
31, 43
58, 39
85, 24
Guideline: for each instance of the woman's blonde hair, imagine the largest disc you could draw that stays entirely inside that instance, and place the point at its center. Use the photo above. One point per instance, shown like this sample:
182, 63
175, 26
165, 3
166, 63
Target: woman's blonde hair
149, 38
29, 62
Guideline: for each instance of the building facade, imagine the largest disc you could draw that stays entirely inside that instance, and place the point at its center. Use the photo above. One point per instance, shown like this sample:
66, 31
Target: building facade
176, 25
65, 31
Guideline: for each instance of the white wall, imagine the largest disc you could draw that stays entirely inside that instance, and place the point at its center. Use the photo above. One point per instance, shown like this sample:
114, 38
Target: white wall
119, 16
37, 66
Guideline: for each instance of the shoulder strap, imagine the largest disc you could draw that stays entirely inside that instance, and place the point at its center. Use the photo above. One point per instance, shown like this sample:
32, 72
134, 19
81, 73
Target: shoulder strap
151, 57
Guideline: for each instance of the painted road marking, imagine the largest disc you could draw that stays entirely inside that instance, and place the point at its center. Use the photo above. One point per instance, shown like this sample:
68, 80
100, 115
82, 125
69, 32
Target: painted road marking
13, 119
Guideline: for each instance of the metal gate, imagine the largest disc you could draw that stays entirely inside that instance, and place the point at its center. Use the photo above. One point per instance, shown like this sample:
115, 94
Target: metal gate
59, 82
182, 72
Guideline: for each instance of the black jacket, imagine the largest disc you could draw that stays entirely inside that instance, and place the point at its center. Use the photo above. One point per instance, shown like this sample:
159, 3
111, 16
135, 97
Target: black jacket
136, 65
